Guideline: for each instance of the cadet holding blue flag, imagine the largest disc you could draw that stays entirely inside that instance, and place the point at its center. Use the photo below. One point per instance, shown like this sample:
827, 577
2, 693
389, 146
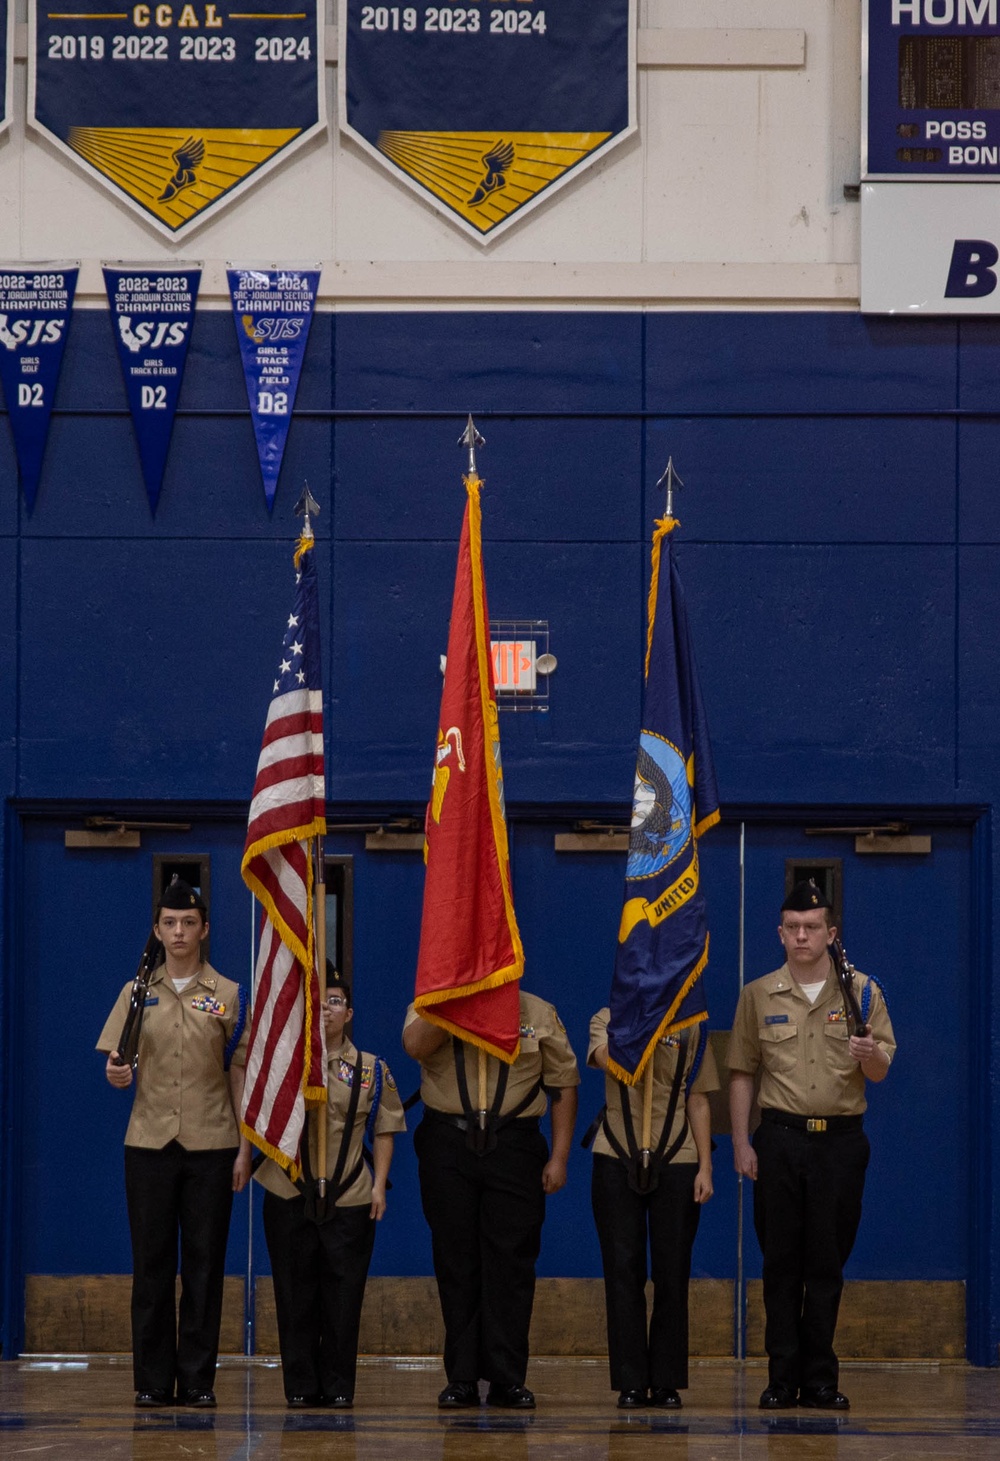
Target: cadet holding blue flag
652, 1156
664, 1214
663, 936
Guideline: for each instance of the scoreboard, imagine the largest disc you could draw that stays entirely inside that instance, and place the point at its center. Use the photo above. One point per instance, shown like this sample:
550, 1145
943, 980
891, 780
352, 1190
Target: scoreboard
931, 90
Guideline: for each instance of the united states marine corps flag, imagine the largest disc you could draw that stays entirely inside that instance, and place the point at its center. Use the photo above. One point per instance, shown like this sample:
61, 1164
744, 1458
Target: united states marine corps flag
176, 108
470, 956
286, 1067
663, 936
486, 109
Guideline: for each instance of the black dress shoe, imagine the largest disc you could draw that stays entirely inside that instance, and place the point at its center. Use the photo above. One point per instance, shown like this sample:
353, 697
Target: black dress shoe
145, 1399
197, 1399
304, 1402
339, 1402
825, 1397
632, 1399
459, 1395
665, 1398
778, 1397
512, 1397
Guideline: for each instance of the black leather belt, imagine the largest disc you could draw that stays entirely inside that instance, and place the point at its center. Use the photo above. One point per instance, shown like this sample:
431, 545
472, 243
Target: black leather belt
521, 1122
813, 1124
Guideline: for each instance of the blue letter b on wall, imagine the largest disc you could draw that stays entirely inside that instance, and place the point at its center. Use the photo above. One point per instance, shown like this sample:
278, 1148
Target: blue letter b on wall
971, 274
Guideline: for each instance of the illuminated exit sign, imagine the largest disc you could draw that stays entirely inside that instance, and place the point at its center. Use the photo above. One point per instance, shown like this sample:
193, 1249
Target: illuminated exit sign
514, 664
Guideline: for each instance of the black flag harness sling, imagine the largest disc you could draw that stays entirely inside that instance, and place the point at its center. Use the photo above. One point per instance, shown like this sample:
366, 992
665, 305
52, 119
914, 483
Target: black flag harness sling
644, 1176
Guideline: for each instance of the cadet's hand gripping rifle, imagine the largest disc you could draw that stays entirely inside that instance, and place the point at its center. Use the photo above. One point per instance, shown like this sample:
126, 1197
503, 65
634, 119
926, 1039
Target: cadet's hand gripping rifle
128, 1046
845, 977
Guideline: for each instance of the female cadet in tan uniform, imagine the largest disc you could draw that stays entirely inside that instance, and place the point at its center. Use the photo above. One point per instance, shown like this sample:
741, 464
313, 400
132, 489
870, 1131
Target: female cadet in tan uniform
320, 1268
651, 1369
184, 1157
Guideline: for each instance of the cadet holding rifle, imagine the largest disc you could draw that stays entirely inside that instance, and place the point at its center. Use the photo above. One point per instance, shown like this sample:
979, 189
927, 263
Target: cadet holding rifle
177, 1033
799, 1028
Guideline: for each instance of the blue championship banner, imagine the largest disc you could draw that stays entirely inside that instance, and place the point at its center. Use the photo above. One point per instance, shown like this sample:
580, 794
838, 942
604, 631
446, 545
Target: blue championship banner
36, 301
6, 59
152, 311
486, 107
177, 108
273, 310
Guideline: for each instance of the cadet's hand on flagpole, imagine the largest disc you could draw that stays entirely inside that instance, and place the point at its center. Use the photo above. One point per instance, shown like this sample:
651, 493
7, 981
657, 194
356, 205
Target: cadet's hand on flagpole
553, 1175
745, 1160
118, 1072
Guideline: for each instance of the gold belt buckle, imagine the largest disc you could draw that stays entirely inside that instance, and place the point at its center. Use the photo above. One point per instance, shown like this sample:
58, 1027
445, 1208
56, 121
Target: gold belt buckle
816, 1123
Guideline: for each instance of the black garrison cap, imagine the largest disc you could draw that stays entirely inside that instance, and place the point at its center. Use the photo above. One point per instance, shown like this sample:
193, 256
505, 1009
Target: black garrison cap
180, 894
804, 896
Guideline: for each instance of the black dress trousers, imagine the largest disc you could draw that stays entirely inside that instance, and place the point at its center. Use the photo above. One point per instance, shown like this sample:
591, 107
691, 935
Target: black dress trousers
807, 1207
171, 1192
320, 1271
666, 1220
485, 1214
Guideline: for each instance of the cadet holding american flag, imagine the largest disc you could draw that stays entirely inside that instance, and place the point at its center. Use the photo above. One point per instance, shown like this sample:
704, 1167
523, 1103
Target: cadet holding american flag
652, 1152
320, 1203
285, 1060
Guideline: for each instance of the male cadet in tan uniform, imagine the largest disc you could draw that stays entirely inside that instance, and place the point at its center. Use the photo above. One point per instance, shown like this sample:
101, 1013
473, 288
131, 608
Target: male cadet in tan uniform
810, 1153
320, 1268
184, 1157
484, 1199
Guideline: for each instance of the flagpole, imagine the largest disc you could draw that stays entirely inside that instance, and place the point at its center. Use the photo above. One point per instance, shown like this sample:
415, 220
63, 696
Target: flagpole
306, 505
471, 438
647, 1113
671, 482
481, 1107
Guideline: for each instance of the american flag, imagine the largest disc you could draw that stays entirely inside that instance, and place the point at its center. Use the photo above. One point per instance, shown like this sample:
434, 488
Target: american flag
286, 1062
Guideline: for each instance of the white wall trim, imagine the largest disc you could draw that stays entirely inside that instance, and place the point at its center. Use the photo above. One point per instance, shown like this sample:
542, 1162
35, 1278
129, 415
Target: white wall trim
360, 284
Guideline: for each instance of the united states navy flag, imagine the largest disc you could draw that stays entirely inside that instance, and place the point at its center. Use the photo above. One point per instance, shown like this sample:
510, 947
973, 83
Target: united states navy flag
663, 937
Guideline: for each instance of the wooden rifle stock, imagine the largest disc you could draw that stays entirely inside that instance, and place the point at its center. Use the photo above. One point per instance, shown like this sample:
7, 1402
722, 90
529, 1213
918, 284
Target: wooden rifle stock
845, 977
128, 1046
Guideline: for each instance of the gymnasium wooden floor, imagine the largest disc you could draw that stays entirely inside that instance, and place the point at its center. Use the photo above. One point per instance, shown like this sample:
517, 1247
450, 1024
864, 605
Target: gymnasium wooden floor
80, 1410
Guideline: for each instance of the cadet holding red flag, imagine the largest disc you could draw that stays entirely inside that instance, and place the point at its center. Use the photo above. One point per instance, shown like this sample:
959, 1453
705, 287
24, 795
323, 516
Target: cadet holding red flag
488, 1051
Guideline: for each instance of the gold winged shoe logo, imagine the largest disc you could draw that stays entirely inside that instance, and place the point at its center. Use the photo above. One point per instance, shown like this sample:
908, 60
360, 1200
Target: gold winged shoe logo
496, 162
190, 155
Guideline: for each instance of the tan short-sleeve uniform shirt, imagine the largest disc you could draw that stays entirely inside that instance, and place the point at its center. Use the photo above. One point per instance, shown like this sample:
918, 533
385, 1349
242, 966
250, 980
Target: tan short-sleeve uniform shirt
665, 1060
545, 1053
181, 1087
389, 1120
800, 1048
